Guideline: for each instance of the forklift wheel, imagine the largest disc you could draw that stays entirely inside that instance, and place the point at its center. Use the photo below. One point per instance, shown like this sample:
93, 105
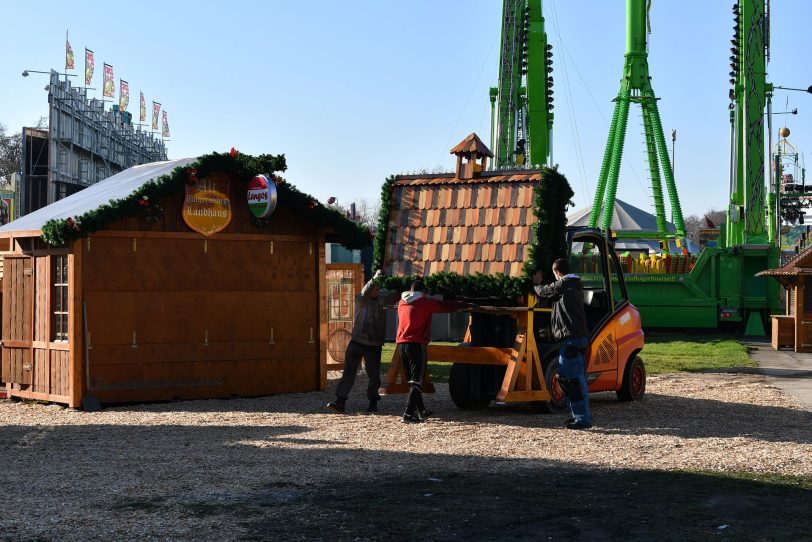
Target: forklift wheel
557, 403
634, 381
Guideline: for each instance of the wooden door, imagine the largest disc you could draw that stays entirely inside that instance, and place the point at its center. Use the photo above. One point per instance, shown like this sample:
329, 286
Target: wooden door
344, 283
18, 321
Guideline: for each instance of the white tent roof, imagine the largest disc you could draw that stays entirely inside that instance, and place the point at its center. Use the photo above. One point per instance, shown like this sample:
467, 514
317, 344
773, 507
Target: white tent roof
626, 217
94, 196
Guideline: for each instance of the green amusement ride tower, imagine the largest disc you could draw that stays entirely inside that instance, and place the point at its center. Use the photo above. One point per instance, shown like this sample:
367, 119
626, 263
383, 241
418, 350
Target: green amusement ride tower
522, 104
635, 87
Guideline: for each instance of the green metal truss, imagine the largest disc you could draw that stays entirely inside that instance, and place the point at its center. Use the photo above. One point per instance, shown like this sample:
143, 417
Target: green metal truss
636, 87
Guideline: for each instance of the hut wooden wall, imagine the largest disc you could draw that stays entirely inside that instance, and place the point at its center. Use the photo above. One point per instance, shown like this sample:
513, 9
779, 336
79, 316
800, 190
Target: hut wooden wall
172, 314
188, 317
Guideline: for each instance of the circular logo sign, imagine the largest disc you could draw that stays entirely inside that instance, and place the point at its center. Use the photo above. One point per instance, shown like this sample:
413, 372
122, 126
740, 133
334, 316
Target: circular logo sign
261, 196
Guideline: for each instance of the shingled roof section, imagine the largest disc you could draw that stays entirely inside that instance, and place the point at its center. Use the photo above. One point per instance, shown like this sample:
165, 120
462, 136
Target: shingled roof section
470, 144
443, 223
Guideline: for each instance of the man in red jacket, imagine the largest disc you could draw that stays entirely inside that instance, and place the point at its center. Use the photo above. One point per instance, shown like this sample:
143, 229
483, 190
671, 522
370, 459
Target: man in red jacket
414, 333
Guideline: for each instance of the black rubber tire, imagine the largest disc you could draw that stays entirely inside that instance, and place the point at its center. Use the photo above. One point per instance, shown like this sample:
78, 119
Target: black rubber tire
557, 403
633, 387
468, 386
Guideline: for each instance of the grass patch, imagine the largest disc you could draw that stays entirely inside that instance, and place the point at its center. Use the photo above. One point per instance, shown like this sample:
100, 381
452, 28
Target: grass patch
663, 353
437, 371
693, 353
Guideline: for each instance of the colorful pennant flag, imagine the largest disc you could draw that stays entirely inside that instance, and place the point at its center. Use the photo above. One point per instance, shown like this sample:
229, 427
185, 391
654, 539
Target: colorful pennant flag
68, 53
89, 65
109, 88
156, 109
143, 116
165, 127
123, 95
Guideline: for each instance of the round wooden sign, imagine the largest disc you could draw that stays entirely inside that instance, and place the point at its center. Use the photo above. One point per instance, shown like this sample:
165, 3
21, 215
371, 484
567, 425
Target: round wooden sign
261, 196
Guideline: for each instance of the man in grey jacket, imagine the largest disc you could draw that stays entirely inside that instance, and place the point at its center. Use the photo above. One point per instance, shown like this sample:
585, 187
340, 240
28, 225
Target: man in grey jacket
368, 335
568, 324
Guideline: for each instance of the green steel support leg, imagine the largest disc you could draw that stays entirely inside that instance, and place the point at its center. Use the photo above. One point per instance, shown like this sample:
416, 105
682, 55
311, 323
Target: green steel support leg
654, 171
617, 155
668, 172
607, 158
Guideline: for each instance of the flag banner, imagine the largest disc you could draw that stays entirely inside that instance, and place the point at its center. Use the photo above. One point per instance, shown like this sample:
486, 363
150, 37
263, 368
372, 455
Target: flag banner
109, 86
165, 126
123, 95
156, 110
143, 116
89, 65
69, 64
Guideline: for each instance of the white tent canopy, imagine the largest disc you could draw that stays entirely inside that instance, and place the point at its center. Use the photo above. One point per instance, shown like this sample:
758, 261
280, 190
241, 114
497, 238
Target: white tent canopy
628, 218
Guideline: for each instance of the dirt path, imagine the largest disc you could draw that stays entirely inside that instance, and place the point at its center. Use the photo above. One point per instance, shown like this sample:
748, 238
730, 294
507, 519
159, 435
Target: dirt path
283, 468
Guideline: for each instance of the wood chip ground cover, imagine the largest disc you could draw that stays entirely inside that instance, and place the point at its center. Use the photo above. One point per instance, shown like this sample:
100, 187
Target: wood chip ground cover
703, 455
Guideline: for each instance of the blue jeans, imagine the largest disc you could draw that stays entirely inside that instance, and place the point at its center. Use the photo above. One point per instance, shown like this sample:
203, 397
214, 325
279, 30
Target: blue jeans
573, 368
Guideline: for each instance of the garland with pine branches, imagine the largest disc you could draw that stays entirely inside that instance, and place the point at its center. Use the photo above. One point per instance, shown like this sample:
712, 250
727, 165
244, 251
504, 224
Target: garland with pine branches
60, 231
552, 196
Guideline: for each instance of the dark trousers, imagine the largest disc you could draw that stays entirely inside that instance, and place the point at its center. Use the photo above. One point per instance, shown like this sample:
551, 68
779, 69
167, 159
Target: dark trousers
413, 356
372, 365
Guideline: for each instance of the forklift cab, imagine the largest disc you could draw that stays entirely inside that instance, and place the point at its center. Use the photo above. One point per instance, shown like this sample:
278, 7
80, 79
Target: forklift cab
592, 257
615, 331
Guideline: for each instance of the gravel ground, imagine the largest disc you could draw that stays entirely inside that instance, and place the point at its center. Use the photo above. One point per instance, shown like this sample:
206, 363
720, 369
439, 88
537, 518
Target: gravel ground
201, 470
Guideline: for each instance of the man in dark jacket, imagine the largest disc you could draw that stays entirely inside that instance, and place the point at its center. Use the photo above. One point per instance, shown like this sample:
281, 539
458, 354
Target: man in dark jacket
368, 335
414, 333
569, 328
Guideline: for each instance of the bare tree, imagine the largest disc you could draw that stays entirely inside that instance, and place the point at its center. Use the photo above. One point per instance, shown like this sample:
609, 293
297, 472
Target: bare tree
11, 148
711, 219
367, 211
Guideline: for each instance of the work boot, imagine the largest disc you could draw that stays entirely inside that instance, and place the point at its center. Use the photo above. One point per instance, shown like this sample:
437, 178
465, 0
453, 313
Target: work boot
411, 418
373, 406
578, 425
336, 406
425, 413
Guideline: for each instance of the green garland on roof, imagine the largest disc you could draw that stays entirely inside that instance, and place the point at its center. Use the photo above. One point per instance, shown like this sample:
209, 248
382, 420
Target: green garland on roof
59, 231
379, 245
552, 197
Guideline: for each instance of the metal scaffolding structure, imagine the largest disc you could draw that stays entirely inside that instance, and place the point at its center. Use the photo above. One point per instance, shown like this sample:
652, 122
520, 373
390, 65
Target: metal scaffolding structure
86, 144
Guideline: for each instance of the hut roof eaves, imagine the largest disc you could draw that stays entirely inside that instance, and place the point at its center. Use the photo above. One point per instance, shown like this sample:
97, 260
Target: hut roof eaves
118, 186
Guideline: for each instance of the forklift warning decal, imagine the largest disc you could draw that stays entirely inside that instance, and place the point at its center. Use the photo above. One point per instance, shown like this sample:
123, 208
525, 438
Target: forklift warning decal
625, 318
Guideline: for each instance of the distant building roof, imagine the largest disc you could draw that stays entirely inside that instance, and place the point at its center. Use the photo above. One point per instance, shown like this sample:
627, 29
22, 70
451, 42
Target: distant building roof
799, 265
444, 223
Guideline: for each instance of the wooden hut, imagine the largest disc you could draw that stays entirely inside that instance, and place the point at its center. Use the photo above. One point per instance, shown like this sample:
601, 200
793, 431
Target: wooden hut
179, 279
794, 328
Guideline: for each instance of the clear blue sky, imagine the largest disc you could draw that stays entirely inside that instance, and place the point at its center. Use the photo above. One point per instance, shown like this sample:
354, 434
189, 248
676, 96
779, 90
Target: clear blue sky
354, 91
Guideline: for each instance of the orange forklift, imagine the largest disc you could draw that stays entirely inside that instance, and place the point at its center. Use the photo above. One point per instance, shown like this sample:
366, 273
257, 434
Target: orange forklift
509, 355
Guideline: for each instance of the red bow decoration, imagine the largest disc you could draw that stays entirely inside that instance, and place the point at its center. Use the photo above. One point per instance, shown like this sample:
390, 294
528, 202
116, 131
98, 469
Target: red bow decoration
312, 204
144, 201
73, 224
192, 173
233, 152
